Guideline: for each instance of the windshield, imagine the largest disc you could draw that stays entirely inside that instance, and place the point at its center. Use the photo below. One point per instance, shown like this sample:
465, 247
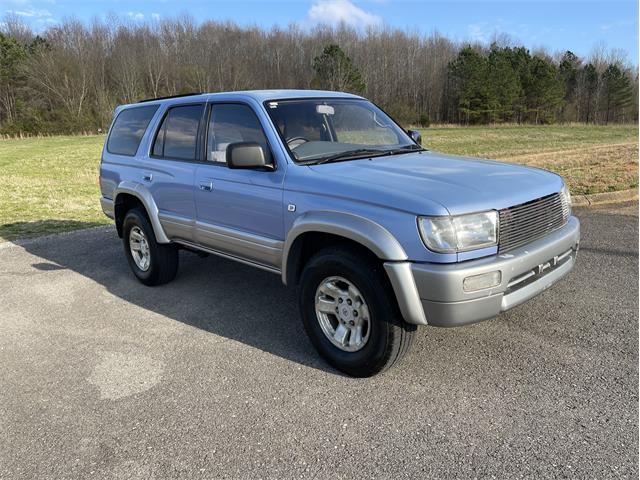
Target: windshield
331, 129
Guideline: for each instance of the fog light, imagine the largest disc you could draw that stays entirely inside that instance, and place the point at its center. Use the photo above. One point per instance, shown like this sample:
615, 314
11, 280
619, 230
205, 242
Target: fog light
482, 281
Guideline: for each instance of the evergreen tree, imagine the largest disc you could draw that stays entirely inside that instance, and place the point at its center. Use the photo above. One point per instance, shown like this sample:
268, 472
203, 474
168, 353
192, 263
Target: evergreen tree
335, 71
589, 92
544, 90
520, 59
12, 54
474, 97
504, 83
569, 70
617, 93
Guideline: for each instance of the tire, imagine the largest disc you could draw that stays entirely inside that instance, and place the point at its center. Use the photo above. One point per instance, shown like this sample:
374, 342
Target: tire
388, 336
163, 259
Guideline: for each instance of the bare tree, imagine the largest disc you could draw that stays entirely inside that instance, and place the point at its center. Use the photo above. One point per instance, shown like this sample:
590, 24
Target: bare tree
78, 73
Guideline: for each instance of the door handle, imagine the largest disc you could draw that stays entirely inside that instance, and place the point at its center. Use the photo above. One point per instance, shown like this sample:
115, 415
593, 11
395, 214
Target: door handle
206, 186
147, 177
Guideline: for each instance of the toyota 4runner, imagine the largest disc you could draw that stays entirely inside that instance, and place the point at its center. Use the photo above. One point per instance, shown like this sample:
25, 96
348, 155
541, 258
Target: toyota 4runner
378, 234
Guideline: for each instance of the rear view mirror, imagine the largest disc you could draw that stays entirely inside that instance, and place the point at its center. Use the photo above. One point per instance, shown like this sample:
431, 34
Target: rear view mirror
415, 136
248, 155
325, 110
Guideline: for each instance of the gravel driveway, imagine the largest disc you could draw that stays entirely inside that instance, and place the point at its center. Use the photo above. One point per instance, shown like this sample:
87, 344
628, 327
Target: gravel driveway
212, 376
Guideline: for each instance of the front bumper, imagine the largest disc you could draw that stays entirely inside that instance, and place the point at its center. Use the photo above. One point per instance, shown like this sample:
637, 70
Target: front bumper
525, 272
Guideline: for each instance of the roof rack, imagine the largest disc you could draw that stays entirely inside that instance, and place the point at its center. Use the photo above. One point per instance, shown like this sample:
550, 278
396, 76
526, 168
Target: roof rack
170, 96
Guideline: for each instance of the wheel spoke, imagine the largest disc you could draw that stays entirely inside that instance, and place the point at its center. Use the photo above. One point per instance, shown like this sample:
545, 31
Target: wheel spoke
356, 336
326, 306
139, 248
330, 289
341, 334
353, 293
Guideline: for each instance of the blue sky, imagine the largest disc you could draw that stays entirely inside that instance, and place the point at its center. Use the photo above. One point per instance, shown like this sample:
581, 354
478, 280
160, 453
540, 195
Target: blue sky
556, 25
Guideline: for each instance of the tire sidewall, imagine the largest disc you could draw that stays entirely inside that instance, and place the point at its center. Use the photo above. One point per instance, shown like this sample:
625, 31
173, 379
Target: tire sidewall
134, 218
366, 279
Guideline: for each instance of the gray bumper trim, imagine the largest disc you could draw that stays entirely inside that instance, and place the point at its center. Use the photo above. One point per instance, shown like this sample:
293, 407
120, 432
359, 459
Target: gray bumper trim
525, 293
107, 207
445, 303
406, 292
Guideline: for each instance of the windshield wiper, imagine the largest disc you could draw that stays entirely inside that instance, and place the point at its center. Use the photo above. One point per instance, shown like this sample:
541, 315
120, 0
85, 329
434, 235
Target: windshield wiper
406, 149
364, 153
360, 152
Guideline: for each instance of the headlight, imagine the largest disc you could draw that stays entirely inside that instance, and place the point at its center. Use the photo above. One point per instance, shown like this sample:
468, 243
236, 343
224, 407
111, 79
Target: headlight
566, 201
460, 233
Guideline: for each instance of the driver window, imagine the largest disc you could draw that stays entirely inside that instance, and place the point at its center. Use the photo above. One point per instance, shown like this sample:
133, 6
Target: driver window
354, 124
232, 123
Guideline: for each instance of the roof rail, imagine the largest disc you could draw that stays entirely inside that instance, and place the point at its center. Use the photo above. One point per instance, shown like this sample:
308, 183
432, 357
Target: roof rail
170, 96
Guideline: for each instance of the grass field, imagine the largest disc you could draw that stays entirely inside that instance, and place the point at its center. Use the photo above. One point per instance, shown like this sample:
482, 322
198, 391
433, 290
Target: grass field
592, 159
49, 185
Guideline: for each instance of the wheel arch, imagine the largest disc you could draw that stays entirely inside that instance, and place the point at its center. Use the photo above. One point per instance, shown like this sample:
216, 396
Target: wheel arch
362, 233
358, 230
129, 194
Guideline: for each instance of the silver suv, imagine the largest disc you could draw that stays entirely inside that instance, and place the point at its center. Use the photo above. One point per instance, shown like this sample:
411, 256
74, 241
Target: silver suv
378, 234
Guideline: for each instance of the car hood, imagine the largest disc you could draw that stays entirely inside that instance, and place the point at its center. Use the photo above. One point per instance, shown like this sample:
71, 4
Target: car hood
428, 182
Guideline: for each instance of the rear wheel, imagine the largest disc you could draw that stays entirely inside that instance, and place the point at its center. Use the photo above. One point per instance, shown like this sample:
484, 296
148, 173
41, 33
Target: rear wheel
151, 262
350, 313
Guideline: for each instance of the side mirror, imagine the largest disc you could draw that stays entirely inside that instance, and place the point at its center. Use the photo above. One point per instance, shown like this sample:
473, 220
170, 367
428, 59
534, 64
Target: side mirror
415, 136
249, 155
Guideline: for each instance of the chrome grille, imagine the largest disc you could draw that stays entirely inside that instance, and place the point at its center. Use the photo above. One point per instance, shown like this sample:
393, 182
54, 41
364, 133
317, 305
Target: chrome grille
529, 221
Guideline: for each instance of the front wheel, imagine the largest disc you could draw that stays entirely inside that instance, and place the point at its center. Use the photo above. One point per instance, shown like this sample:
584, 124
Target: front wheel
350, 313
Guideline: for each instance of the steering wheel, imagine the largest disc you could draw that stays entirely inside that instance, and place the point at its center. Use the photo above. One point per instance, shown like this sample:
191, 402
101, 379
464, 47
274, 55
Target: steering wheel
295, 142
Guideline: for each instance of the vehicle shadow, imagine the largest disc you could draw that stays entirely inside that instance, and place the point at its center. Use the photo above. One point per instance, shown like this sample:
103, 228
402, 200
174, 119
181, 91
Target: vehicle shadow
217, 295
16, 230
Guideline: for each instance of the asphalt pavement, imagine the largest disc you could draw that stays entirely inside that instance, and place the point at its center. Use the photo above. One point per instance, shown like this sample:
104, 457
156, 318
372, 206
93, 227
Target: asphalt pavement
212, 376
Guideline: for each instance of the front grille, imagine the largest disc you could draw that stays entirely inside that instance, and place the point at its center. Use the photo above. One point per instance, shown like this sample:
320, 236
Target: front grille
529, 221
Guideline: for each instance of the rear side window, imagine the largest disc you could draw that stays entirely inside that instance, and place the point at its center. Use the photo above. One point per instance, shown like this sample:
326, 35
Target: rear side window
177, 137
128, 129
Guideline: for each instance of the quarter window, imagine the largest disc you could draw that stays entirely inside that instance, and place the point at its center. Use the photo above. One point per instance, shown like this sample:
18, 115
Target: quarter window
178, 134
128, 129
232, 123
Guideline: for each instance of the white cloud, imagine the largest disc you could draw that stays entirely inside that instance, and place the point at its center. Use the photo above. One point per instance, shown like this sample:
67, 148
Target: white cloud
31, 13
136, 15
155, 16
613, 25
479, 32
333, 12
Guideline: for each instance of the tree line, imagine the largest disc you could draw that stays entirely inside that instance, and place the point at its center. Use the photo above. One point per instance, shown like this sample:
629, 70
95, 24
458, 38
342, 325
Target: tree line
70, 77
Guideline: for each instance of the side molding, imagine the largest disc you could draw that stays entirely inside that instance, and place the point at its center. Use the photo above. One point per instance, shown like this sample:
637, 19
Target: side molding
142, 194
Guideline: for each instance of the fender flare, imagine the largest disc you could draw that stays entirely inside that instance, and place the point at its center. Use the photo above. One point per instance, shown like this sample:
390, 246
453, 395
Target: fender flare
354, 227
144, 195
372, 236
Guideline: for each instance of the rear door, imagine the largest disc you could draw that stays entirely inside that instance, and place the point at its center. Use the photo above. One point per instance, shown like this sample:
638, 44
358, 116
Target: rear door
238, 212
170, 168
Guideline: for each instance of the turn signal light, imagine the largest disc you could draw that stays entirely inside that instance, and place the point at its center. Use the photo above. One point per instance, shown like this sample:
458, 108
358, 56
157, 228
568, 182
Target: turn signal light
482, 281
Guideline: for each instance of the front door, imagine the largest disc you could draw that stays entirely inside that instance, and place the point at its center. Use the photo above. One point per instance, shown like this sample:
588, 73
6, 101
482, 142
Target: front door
238, 212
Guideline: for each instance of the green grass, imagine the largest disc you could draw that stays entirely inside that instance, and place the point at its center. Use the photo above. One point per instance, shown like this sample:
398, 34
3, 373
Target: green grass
592, 159
50, 185
504, 141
